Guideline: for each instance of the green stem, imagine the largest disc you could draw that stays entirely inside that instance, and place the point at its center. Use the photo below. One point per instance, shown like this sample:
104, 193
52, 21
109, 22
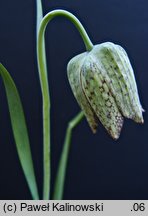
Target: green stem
46, 158
60, 178
45, 88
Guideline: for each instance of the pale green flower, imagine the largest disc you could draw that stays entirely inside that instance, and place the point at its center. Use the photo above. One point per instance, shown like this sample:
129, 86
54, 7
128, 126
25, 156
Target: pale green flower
104, 85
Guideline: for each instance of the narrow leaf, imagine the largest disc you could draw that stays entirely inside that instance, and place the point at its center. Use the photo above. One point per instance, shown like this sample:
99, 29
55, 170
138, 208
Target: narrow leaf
19, 130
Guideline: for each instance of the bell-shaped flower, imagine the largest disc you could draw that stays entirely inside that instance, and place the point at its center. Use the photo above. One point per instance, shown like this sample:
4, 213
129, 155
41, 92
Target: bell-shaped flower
104, 85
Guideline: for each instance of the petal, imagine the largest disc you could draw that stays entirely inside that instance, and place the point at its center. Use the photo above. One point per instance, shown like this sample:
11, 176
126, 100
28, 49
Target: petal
100, 97
136, 105
118, 70
73, 69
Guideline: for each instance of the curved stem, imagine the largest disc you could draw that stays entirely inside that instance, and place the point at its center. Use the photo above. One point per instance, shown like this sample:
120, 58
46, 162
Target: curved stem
60, 178
45, 88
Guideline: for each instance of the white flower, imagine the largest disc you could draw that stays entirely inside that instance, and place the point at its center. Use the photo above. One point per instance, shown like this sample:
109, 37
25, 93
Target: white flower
104, 85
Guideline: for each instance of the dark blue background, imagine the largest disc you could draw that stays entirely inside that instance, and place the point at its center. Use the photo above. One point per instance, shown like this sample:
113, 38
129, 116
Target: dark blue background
99, 167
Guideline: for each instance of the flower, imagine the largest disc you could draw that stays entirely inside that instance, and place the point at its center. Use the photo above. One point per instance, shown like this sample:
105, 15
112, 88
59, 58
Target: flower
104, 86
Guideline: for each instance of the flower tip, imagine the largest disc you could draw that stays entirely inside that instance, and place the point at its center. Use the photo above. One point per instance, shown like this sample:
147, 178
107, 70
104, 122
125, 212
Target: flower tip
115, 136
94, 131
139, 120
142, 121
93, 125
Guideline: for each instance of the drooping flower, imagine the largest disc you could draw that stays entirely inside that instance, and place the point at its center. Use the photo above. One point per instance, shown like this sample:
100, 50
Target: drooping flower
104, 85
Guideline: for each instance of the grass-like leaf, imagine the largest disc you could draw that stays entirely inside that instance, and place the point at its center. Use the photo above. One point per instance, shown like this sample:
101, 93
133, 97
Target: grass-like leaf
19, 130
